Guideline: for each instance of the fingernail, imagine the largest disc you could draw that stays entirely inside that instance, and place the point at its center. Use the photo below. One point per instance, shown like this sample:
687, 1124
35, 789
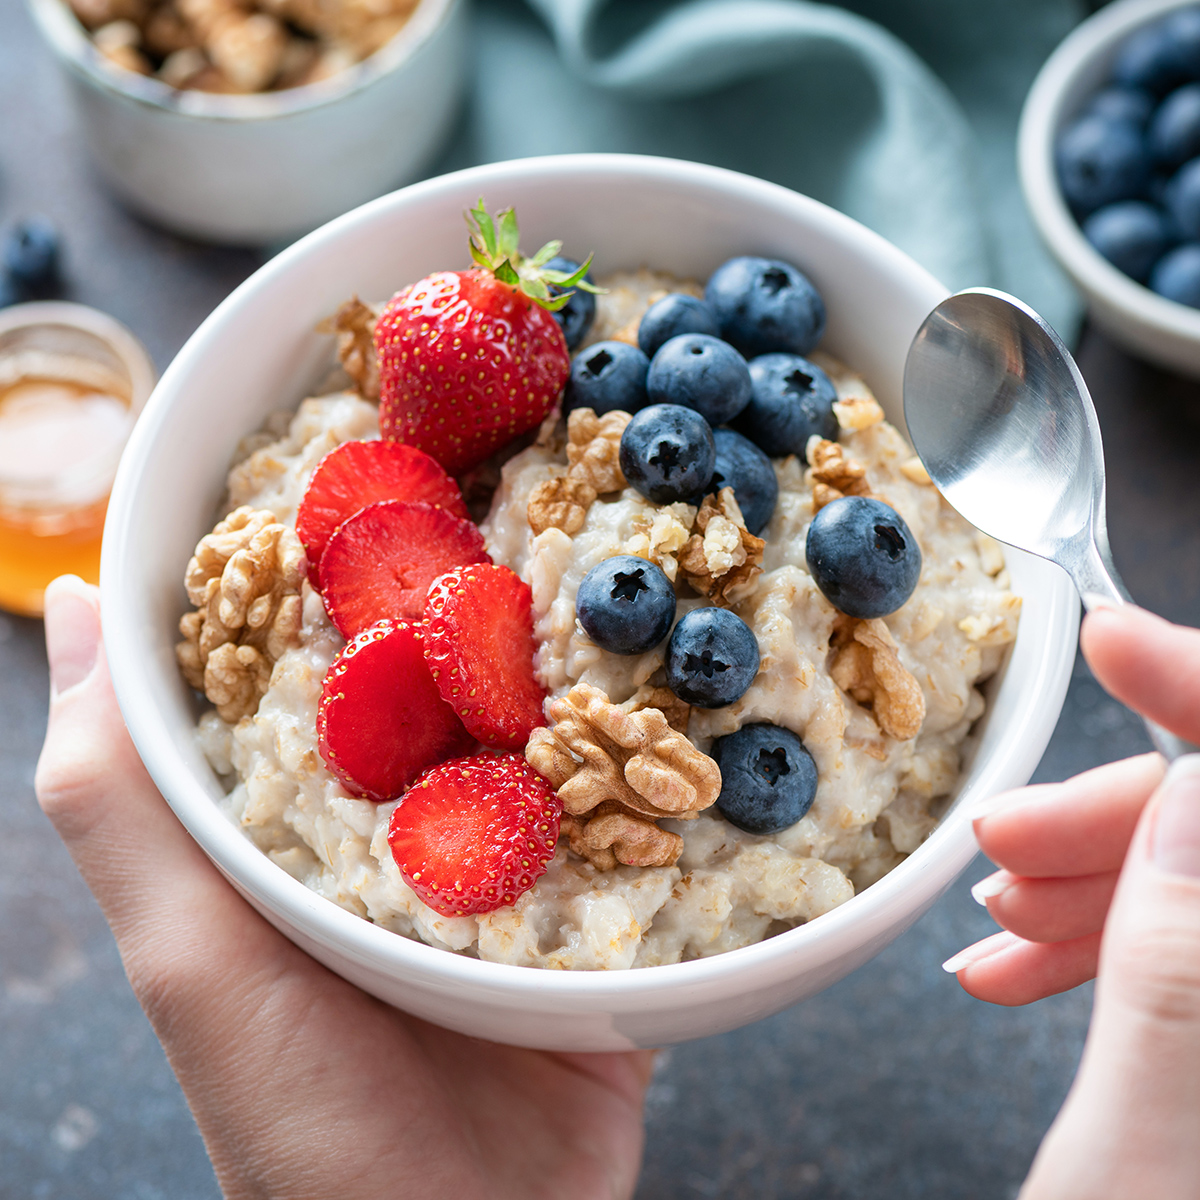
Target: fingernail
1003, 801
1095, 600
1177, 823
978, 952
72, 632
991, 887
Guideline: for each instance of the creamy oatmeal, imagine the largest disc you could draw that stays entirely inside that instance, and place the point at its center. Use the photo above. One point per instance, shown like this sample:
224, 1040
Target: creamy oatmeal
884, 769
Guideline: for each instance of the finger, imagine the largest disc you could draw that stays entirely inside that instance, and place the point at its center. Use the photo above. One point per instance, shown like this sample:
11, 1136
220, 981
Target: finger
1148, 664
1005, 969
128, 845
1047, 910
1079, 827
1141, 1067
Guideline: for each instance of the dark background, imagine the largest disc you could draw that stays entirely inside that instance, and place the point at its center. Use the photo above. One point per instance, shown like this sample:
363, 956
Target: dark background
892, 1083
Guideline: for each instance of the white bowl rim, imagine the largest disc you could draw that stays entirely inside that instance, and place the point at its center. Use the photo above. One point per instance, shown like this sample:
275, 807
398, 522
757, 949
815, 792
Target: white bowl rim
63, 30
1042, 116
920, 878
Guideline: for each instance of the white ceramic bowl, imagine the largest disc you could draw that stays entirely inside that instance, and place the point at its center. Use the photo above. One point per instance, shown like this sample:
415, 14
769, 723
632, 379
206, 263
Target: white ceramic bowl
1145, 323
258, 351
266, 167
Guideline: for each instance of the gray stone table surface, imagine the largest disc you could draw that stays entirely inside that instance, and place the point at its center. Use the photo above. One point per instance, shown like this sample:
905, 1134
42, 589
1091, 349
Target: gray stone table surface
893, 1082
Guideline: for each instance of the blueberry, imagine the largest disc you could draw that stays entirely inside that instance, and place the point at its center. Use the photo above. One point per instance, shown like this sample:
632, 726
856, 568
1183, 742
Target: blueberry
1123, 104
1183, 29
576, 316
1101, 161
31, 259
1152, 59
607, 376
764, 305
768, 778
1182, 200
1174, 133
1131, 234
674, 314
668, 453
626, 604
791, 399
700, 372
1177, 275
712, 657
863, 556
742, 466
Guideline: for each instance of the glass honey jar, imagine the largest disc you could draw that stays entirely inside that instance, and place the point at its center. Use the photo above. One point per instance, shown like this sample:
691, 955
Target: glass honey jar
72, 382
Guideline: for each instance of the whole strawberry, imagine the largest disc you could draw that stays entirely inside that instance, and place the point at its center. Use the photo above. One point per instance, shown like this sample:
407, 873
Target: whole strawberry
470, 359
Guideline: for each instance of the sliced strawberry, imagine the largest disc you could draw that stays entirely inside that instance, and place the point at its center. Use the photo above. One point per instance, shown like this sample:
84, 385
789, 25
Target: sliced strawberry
380, 562
356, 474
473, 834
381, 720
479, 646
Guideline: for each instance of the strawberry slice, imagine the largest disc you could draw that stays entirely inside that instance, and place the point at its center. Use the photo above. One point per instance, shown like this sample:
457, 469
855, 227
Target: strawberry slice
356, 474
479, 646
381, 720
380, 562
473, 834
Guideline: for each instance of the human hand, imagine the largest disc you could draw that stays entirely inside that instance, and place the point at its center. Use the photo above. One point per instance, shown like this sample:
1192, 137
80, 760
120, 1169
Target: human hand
1101, 875
302, 1085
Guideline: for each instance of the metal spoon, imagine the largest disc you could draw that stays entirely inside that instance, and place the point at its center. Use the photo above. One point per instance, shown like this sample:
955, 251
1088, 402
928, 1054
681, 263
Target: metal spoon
1003, 422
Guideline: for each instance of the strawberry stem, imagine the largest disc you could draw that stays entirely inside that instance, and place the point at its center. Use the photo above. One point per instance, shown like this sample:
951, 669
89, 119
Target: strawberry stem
496, 248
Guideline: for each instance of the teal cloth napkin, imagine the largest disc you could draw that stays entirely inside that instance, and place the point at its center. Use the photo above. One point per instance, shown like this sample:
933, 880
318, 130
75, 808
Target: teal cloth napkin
901, 113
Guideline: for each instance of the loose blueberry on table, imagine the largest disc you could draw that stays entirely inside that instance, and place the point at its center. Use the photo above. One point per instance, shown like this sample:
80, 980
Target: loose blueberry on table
863, 556
1129, 163
31, 257
768, 778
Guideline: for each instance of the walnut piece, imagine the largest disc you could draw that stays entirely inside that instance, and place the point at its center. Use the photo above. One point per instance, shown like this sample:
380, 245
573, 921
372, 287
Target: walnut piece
354, 324
560, 503
605, 760
593, 446
832, 474
611, 835
245, 580
661, 535
857, 412
722, 557
866, 665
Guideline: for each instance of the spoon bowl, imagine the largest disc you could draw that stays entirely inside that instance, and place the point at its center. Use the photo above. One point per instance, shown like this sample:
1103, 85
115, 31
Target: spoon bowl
1000, 415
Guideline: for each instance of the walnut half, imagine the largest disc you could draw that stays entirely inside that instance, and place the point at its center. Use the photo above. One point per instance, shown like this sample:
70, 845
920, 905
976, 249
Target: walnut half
606, 761
245, 580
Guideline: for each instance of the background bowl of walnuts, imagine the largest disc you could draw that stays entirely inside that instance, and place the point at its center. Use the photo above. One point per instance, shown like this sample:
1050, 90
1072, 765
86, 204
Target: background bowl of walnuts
252, 121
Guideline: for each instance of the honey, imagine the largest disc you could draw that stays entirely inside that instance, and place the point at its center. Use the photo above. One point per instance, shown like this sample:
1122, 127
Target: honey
68, 400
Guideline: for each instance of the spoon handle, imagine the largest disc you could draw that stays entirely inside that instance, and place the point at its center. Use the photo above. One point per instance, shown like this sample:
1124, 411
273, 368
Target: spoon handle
1101, 587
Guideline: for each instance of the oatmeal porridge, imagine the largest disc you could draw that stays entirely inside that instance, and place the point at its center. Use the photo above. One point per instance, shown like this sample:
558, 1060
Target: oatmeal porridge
883, 706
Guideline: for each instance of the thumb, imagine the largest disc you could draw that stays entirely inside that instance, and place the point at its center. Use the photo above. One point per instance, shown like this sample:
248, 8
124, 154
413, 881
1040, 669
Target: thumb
1129, 1124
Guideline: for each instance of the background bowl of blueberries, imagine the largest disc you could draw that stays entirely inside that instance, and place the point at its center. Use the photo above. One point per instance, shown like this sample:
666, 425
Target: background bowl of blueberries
1109, 158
